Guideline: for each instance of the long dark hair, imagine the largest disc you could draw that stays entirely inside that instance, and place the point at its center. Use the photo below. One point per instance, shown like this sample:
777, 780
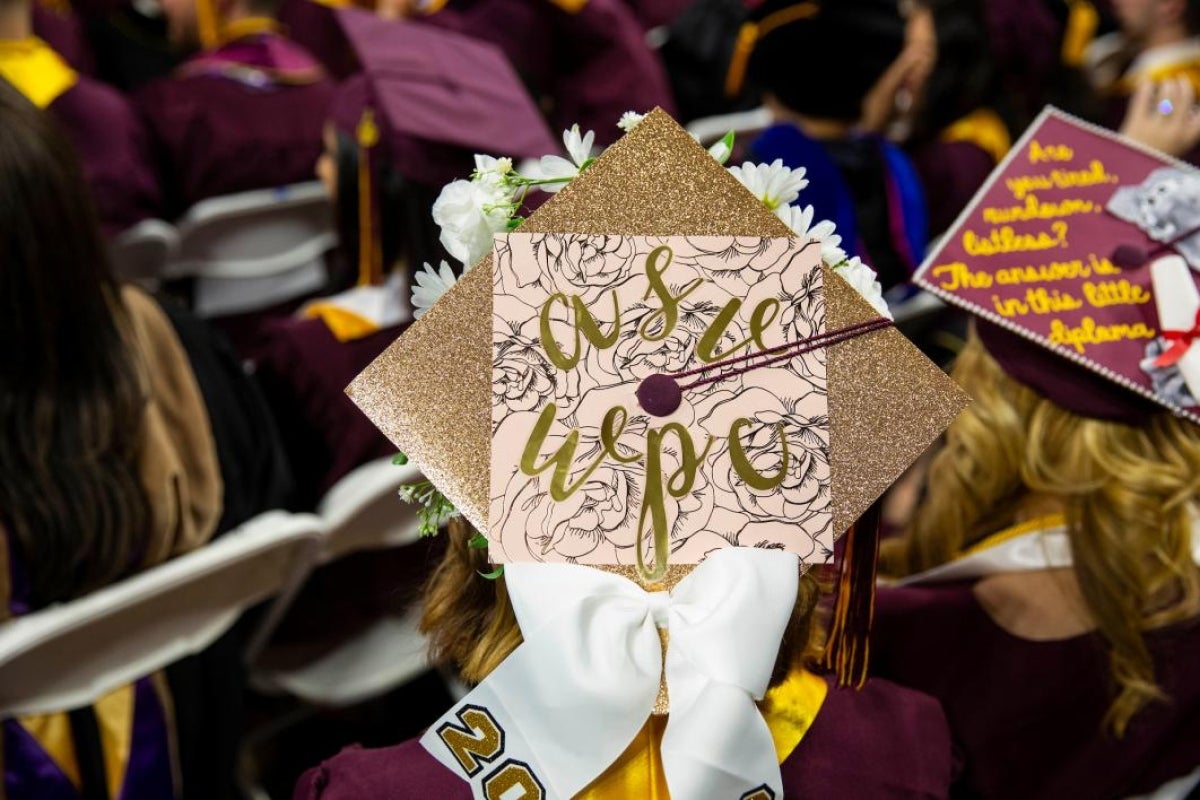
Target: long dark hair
407, 231
71, 401
964, 77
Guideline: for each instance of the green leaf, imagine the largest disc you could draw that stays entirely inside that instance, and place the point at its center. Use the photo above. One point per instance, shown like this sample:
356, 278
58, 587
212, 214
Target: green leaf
515, 223
727, 144
478, 541
494, 574
400, 459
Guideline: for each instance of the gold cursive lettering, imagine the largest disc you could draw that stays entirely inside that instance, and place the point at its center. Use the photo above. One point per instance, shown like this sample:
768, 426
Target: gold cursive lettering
584, 323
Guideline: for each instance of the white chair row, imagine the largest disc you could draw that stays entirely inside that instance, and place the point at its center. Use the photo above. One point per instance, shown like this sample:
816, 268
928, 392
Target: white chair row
361, 512
245, 251
68, 655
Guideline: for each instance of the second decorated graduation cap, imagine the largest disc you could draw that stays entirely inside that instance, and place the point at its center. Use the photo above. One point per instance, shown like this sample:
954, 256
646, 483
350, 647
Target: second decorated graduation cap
1079, 257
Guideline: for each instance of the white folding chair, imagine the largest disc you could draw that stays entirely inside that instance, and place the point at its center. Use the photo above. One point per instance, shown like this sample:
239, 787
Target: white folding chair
361, 512
140, 254
255, 249
708, 130
68, 655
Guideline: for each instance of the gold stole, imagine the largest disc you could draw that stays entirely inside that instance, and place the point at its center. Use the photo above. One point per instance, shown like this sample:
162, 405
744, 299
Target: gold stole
789, 710
35, 70
982, 128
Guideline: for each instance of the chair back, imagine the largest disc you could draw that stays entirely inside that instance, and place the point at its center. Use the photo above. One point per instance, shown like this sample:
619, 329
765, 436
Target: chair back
68, 655
709, 130
363, 512
140, 254
256, 249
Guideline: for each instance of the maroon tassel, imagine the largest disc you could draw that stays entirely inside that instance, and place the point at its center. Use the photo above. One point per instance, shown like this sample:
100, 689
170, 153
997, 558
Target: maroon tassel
847, 647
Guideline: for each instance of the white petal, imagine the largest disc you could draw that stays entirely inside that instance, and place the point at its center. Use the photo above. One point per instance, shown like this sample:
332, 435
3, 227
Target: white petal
585, 148
629, 120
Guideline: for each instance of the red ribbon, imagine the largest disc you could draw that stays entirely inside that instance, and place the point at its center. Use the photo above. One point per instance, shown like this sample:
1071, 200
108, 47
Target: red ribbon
1182, 341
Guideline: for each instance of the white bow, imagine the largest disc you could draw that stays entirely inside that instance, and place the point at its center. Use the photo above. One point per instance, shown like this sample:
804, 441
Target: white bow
561, 709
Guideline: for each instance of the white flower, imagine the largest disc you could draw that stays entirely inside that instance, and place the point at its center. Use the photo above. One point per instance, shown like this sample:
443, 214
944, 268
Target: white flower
559, 169
800, 221
431, 285
491, 170
469, 214
629, 120
862, 278
774, 184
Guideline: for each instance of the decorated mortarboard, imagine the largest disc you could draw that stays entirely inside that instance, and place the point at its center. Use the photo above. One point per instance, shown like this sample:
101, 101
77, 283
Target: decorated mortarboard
657, 375
1080, 255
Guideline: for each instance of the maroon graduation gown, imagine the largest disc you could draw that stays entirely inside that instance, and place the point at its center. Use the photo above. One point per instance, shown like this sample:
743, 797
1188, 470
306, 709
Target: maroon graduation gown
881, 743
304, 372
314, 26
63, 31
112, 146
952, 173
1027, 716
216, 135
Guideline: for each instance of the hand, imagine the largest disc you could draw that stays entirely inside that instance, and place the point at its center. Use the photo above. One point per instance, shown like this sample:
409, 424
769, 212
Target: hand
1164, 116
895, 94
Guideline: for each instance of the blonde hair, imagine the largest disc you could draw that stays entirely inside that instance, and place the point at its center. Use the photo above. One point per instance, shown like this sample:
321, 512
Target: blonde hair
472, 628
1128, 493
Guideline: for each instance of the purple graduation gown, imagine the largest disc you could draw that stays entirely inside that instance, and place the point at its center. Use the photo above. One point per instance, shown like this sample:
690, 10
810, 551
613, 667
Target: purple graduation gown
589, 67
1027, 716
30, 772
112, 146
218, 135
881, 743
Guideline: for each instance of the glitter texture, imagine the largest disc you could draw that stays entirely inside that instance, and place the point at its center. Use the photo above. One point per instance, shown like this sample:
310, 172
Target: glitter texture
430, 391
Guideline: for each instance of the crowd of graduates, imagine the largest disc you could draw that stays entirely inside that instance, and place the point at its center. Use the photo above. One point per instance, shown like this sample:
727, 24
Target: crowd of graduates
134, 431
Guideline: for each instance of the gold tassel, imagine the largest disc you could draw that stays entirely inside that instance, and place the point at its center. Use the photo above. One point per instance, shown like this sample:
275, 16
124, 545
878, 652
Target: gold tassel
1082, 22
209, 24
751, 34
735, 78
848, 645
370, 262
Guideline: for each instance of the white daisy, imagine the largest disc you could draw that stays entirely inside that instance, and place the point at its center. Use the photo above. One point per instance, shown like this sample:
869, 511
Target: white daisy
629, 120
863, 279
800, 221
561, 170
431, 285
774, 184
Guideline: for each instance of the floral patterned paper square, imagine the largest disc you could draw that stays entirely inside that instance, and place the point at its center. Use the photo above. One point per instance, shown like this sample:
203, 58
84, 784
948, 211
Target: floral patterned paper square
582, 472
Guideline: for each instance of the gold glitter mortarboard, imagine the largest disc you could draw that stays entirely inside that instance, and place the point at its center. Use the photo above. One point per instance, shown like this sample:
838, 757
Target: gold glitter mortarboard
430, 392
